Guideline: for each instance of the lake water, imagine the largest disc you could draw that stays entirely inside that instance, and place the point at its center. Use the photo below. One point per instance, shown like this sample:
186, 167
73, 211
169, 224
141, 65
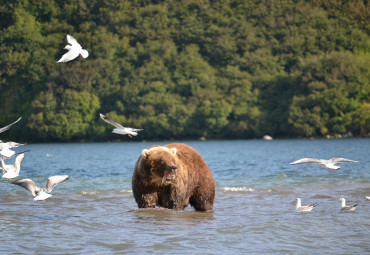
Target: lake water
94, 212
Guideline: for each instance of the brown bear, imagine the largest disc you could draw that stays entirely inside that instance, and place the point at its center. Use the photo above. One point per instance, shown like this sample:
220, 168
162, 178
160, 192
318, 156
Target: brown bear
172, 176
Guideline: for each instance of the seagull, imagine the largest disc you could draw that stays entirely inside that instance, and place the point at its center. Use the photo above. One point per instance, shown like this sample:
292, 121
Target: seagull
11, 172
8, 126
367, 198
74, 50
328, 164
5, 148
347, 207
41, 194
304, 208
120, 129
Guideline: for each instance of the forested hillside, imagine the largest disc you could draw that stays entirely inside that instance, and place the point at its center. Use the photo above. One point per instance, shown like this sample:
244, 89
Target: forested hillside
185, 69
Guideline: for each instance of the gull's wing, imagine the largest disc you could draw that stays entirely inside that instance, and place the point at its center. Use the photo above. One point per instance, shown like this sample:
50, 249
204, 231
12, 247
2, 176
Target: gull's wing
28, 184
18, 161
3, 166
71, 40
15, 145
8, 126
313, 205
23, 152
306, 160
55, 180
108, 120
305, 208
132, 131
349, 207
338, 160
135, 129
15, 154
7, 153
71, 54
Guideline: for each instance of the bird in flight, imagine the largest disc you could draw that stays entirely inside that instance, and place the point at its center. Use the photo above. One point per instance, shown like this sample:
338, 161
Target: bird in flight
119, 128
328, 164
74, 50
11, 172
5, 150
41, 194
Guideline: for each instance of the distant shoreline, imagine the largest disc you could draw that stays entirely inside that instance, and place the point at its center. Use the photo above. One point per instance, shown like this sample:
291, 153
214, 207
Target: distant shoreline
331, 137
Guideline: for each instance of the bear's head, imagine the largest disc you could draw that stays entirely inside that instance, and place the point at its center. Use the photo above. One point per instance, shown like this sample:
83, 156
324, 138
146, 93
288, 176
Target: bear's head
162, 162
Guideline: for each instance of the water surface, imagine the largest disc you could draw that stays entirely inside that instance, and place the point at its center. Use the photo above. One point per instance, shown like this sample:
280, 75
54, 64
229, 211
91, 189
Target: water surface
94, 212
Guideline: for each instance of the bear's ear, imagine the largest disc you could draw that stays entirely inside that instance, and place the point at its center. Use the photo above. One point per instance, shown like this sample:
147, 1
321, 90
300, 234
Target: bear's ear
145, 153
173, 150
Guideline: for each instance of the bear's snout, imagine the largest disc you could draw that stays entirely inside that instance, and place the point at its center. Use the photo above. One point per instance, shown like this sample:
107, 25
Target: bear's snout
170, 173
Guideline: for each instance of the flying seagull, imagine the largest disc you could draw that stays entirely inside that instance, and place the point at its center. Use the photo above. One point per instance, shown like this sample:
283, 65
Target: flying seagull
304, 208
347, 207
5, 148
120, 129
11, 172
41, 194
74, 50
8, 126
328, 164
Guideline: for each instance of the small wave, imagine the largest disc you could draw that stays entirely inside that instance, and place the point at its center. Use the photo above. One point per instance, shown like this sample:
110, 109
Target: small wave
281, 176
11, 197
90, 192
126, 191
104, 192
238, 189
246, 189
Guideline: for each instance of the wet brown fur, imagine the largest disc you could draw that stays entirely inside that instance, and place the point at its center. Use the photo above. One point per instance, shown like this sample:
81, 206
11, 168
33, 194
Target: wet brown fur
193, 183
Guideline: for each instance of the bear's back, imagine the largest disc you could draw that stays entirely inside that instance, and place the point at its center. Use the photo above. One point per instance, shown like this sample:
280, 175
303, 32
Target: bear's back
193, 160
186, 153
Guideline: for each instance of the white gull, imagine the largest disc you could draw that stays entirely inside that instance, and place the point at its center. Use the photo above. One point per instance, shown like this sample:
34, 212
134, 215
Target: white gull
41, 193
11, 172
5, 148
8, 126
74, 50
328, 164
120, 129
347, 207
304, 208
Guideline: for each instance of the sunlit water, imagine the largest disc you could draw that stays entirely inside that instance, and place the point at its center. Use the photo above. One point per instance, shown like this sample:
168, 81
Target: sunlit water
94, 212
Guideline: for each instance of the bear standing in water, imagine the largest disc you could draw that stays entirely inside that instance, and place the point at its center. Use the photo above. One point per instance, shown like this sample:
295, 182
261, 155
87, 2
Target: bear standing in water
172, 176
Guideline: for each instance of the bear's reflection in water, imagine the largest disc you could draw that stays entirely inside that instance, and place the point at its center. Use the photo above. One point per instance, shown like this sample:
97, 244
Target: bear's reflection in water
164, 216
